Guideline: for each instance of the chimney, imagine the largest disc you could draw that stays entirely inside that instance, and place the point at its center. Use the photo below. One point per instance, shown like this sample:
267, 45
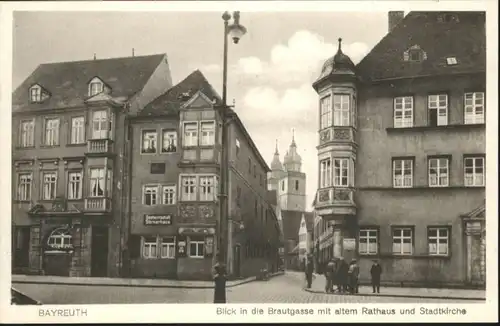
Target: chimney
394, 18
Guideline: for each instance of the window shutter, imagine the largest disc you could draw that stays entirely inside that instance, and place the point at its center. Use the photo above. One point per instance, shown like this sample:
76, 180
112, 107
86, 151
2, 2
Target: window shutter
134, 246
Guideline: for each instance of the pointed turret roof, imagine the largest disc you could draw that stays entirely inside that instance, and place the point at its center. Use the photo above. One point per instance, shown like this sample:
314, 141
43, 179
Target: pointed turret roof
276, 163
292, 157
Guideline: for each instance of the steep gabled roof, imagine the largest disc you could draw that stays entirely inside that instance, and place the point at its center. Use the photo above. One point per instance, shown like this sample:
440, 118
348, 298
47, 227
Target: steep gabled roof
462, 37
67, 82
291, 223
170, 101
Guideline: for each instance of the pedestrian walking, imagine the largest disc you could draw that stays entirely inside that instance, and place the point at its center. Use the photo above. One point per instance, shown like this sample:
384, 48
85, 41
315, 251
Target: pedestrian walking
220, 283
342, 275
376, 272
309, 272
353, 277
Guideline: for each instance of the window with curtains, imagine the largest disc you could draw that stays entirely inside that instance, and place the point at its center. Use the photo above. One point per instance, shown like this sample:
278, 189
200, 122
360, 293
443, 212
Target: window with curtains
169, 141
27, 131
149, 141
97, 182
188, 186
207, 188
150, 195
474, 175
49, 182
52, 132
474, 108
403, 112
438, 239
75, 185
402, 241
101, 125
77, 130
25, 184
402, 170
438, 172
438, 110
190, 134
325, 168
207, 133
368, 241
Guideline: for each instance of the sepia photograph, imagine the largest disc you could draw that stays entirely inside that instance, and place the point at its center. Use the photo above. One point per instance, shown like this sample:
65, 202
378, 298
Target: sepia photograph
249, 157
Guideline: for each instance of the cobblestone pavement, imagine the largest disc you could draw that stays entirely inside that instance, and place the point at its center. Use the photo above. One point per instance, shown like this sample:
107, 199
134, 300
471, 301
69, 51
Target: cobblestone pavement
281, 289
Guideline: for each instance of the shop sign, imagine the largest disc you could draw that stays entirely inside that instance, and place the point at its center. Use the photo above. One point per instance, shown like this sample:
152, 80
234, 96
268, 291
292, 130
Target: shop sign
349, 244
157, 219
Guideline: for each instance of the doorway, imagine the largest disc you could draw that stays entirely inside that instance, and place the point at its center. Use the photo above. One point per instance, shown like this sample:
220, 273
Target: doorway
99, 251
237, 261
22, 247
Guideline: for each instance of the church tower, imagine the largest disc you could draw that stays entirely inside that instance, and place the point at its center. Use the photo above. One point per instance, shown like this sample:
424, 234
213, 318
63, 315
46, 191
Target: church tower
277, 171
292, 186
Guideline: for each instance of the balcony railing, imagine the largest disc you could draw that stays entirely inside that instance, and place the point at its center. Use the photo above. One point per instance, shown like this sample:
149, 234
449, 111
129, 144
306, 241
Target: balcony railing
99, 146
101, 204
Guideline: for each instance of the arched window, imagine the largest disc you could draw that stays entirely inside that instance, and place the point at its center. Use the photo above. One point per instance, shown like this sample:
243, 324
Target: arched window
60, 239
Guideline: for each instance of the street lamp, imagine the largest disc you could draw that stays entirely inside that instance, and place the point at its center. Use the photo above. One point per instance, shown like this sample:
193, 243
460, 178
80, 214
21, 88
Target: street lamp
236, 31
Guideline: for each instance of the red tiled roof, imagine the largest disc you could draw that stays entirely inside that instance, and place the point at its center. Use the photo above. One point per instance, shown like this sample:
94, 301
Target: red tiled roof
67, 82
464, 39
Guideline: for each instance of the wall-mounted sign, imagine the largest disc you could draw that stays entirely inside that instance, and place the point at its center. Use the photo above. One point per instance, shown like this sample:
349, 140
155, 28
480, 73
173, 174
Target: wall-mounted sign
150, 219
349, 244
157, 168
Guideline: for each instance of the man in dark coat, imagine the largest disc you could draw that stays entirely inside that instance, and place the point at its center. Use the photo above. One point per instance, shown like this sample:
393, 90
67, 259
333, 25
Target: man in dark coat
309, 272
342, 275
376, 272
353, 277
330, 272
220, 282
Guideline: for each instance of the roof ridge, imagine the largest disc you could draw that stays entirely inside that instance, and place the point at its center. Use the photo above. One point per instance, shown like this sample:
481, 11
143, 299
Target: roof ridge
104, 59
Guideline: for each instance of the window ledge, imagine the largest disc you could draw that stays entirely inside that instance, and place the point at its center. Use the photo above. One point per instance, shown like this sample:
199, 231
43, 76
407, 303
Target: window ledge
22, 201
49, 146
75, 199
24, 147
76, 145
427, 128
421, 188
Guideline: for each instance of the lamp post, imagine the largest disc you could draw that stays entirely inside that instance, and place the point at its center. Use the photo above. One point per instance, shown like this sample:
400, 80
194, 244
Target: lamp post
236, 31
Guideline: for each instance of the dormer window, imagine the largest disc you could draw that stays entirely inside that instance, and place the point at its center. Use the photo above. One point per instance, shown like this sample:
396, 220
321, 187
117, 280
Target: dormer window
451, 61
96, 86
415, 54
36, 94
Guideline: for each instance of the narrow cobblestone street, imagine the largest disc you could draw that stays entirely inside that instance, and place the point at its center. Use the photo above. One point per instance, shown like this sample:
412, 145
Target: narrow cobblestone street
281, 289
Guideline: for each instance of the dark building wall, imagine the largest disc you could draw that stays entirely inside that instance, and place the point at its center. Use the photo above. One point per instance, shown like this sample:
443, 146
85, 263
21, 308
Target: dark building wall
382, 206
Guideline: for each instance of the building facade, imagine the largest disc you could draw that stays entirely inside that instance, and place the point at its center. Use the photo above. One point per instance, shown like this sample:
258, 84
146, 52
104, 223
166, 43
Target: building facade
174, 206
402, 152
68, 126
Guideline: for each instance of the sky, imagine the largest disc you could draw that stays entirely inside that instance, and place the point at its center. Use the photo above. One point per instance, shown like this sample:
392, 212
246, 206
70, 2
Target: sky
270, 73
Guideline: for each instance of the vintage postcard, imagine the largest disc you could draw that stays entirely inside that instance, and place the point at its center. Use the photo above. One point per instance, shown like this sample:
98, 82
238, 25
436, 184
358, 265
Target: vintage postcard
255, 161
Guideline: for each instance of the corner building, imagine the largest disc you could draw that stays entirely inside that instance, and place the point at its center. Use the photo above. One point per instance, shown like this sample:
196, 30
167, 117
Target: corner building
68, 122
401, 152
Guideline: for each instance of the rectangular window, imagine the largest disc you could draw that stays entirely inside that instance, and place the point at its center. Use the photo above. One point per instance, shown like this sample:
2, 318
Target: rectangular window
150, 195
207, 133
341, 172
150, 248
325, 168
196, 247
190, 134
75, 185
167, 248
438, 238
325, 112
97, 182
101, 125
341, 110
95, 88
149, 141
52, 132
296, 185
474, 171
402, 241
77, 130
237, 147
36, 94
438, 172
27, 133
249, 166
207, 188
368, 241
438, 110
49, 185
403, 112
169, 141
25, 184
474, 108
188, 184
402, 170
168, 195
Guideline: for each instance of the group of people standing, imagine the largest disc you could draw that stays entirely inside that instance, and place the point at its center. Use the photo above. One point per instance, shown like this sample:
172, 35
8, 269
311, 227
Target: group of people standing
343, 277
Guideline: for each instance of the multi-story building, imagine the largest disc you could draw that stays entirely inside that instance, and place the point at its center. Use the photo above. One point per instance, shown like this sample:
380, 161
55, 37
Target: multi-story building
68, 123
402, 152
289, 183
175, 151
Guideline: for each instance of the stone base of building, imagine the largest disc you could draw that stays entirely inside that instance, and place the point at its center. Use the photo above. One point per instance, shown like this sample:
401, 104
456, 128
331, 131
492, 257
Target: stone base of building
428, 284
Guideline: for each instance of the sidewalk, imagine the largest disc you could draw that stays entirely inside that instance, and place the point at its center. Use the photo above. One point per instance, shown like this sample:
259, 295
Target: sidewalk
318, 286
106, 281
